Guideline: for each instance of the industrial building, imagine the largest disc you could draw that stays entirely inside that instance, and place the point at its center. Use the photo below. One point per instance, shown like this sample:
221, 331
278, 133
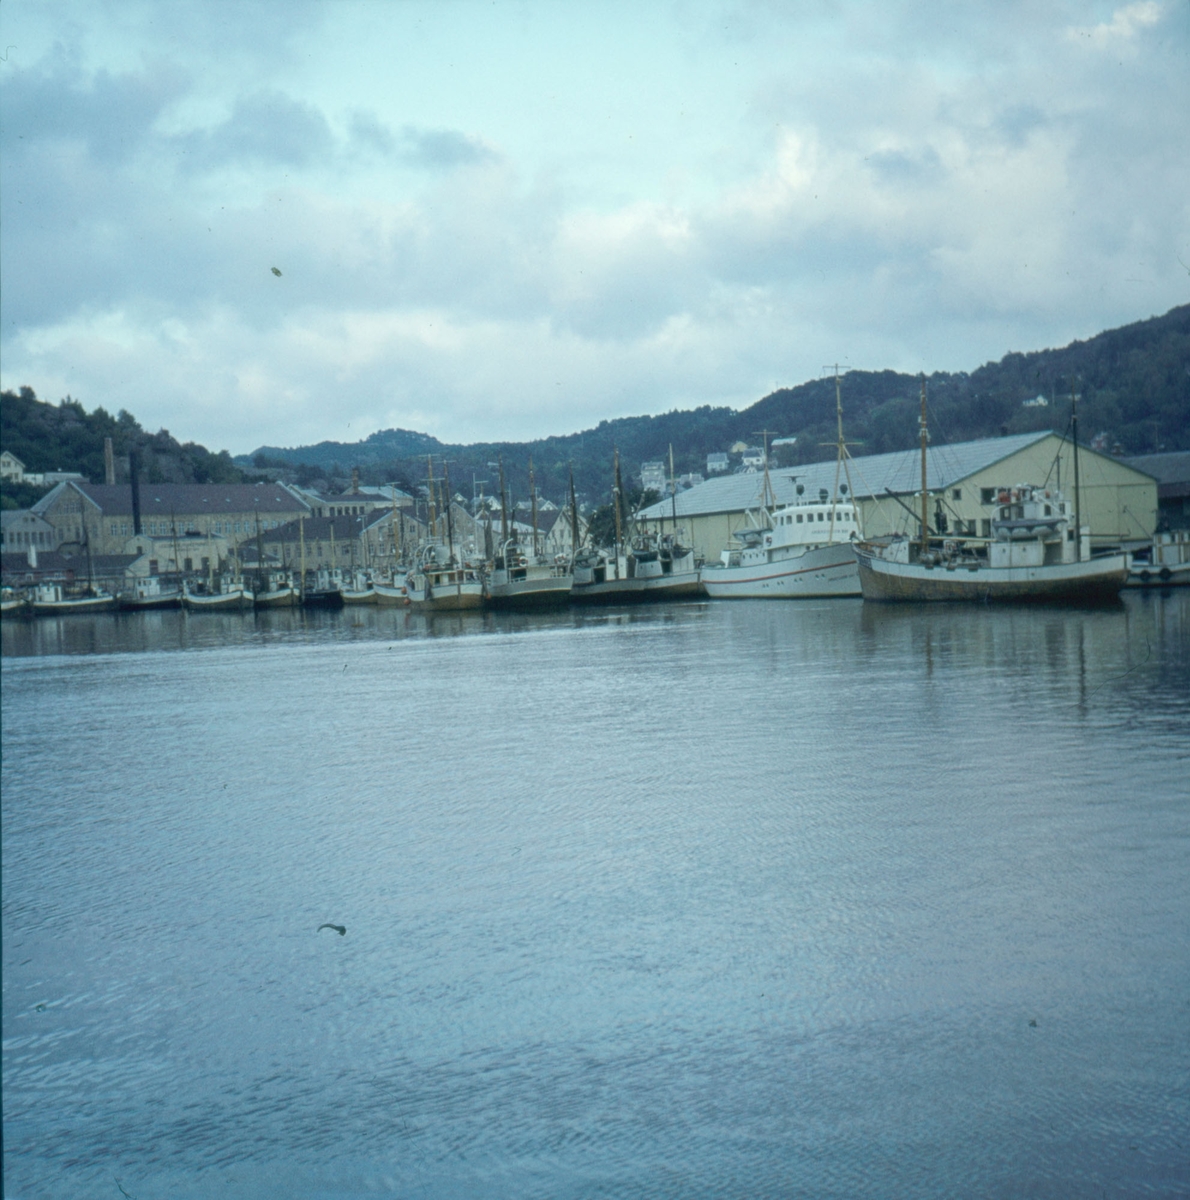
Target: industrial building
1117, 501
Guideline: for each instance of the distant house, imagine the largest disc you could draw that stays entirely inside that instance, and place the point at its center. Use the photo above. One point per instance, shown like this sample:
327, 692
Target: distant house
23, 528
717, 463
753, 458
1036, 402
11, 468
653, 477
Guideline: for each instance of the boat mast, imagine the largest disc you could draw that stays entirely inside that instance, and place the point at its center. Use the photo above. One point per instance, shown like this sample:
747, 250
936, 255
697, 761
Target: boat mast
617, 492
302, 540
1078, 516
533, 504
673, 489
503, 510
396, 532
573, 517
259, 555
173, 525
430, 489
450, 530
768, 498
925, 438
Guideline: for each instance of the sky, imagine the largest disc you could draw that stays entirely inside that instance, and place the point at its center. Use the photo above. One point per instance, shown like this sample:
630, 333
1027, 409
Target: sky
280, 222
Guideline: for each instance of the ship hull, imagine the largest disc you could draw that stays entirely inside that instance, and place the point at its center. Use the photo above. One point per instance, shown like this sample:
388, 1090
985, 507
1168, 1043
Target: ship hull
686, 586
447, 597
389, 595
237, 601
144, 603
531, 593
821, 571
368, 596
62, 608
280, 598
1092, 581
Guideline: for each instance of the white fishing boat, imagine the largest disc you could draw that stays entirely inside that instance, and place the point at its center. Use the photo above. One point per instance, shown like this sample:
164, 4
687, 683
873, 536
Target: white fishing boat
226, 595
49, 600
1163, 563
276, 590
799, 550
391, 591
803, 551
357, 588
1039, 551
12, 604
515, 579
148, 593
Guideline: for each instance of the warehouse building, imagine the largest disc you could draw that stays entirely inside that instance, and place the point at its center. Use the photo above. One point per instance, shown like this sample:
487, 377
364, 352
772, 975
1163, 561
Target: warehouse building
1118, 501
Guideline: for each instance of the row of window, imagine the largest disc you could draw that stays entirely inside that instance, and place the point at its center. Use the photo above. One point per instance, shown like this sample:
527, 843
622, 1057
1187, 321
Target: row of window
22, 537
166, 528
841, 518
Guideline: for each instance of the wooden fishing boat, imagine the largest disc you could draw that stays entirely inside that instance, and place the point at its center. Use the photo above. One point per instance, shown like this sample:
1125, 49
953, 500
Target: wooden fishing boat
1039, 551
147, 594
228, 596
49, 600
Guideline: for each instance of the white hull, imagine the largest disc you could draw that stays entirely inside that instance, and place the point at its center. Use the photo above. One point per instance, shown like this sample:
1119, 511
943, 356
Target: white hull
390, 594
829, 570
286, 597
236, 600
82, 604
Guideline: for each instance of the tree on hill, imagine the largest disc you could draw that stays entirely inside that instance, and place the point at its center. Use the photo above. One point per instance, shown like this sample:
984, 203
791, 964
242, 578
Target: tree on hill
64, 437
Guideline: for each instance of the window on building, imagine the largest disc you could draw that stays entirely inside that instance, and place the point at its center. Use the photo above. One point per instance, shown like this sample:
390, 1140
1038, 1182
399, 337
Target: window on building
189, 564
956, 493
987, 495
985, 527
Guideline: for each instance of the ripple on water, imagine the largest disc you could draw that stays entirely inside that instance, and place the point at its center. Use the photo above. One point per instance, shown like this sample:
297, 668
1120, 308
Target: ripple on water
730, 899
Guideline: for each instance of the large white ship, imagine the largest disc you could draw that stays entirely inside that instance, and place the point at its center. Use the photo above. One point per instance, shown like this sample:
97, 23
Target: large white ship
800, 550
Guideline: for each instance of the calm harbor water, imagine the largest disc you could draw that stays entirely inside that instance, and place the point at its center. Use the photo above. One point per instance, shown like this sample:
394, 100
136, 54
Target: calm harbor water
737, 899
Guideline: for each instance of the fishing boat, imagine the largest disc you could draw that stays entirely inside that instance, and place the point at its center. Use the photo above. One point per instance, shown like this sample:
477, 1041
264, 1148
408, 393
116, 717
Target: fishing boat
521, 577
1163, 563
276, 590
798, 550
391, 591
12, 605
654, 567
324, 589
225, 595
439, 583
517, 580
647, 565
1039, 551
49, 600
358, 588
804, 550
148, 593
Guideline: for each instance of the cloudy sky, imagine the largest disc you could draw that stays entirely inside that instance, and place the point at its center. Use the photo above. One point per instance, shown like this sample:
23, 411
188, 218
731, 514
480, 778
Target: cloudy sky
504, 220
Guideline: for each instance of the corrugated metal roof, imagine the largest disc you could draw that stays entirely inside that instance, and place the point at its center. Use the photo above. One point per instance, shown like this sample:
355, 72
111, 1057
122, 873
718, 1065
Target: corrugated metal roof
871, 475
1170, 467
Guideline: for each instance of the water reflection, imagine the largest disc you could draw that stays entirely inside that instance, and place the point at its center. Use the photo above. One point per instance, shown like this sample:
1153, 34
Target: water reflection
746, 898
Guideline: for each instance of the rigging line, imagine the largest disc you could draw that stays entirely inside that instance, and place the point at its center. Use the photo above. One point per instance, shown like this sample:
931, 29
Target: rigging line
1114, 678
1057, 457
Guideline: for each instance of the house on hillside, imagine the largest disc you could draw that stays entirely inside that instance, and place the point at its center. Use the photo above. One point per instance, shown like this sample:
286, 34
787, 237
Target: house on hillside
11, 468
22, 528
717, 463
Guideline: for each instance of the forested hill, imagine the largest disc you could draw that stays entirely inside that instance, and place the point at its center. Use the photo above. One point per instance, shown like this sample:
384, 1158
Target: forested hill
64, 437
1134, 384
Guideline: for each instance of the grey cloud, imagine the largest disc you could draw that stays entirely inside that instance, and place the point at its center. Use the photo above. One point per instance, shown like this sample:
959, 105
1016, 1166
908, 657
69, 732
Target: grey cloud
267, 127
112, 115
443, 148
898, 166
